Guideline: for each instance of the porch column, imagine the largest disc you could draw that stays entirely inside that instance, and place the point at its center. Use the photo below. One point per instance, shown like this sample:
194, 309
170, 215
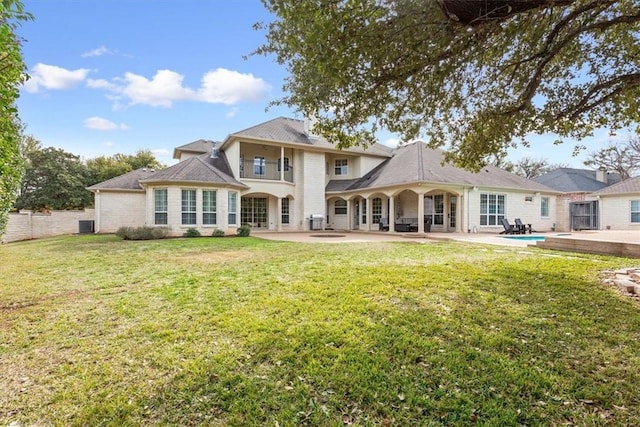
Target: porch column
349, 214
368, 202
420, 212
391, 214
279, 214
281, 163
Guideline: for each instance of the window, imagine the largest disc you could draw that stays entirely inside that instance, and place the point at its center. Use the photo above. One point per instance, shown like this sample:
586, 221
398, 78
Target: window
209, 207
635, 211
341, 207
160, 206
376, 210
285, 211
254, 211
491, 209
258, 165
438, 209
342, 167
188, 207
233, 208
364, 211
544, 207
286, 164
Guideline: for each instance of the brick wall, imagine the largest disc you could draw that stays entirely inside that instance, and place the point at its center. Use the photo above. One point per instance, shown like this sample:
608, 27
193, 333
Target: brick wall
27, 225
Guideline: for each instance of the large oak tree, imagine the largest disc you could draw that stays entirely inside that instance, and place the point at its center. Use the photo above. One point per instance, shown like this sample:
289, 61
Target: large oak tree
474, 76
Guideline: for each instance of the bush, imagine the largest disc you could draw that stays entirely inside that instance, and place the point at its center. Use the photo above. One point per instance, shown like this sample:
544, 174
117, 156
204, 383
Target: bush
244, 231
192, 232
142, 233
218, 233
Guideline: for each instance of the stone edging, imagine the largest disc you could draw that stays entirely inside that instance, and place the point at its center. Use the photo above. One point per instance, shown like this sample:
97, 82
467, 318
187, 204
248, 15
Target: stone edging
627, 280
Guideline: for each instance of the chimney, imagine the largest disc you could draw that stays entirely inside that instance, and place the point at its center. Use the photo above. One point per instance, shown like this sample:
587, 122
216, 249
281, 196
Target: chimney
214, 151
309, 122
601, 174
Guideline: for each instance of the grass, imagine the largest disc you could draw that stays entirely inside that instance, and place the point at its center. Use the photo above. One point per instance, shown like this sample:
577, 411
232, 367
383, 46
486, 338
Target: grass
98, 331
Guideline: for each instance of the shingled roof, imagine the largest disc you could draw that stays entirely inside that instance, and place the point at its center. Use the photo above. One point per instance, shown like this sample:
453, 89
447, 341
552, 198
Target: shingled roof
200, 146
628, 186
569, 180
129, 181
200, 169
416, 163
283, 129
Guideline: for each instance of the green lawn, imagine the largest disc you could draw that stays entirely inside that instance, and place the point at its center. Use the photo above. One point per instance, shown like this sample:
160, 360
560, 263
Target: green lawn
242, 331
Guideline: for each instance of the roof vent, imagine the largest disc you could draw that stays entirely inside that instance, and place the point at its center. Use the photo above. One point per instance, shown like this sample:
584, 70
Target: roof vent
214, 152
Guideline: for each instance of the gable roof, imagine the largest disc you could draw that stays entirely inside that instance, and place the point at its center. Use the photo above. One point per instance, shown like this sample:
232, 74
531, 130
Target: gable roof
129, 181
569, 180
200, 146
200, 169
416, 163
284, 129
628, 186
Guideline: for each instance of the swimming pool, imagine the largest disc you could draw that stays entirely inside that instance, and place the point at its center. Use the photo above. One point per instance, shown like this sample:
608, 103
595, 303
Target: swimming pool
532, 238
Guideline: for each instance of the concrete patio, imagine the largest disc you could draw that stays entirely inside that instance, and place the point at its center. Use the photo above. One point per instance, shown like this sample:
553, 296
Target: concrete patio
621, 243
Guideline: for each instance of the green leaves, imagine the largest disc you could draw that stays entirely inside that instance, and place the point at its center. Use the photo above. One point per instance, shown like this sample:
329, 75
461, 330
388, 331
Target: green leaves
12, 75
54, 179
566, 68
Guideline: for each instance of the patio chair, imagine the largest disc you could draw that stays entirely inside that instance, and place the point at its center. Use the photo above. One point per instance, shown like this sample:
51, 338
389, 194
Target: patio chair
383, 224
509, 228
523, 227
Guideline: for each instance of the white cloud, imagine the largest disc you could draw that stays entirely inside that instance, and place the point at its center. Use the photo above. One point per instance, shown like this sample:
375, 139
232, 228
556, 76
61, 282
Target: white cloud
52, 77
160, 152
166, 87
229, 87
108, 144
98, 123
161, 91
102, 50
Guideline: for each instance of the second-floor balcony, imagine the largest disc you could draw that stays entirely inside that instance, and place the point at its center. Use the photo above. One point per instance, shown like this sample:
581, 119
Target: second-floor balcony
259, 168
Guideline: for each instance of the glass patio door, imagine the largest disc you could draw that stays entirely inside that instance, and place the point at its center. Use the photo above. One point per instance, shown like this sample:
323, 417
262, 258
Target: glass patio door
253, 211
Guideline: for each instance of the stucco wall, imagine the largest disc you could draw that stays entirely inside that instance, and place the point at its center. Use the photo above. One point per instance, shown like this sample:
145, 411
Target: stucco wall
313, 192
119, 209
615, 212
34, 225
516, 206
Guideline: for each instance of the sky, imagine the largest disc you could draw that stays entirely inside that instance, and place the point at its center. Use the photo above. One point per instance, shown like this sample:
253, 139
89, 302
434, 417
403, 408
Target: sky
119, 76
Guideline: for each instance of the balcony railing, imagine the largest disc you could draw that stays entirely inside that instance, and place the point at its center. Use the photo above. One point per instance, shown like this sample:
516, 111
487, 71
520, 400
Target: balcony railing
268, 170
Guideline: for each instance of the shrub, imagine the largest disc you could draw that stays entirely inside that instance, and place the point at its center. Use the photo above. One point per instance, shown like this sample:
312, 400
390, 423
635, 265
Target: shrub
218, 233
192, 232
244, 231
142, 233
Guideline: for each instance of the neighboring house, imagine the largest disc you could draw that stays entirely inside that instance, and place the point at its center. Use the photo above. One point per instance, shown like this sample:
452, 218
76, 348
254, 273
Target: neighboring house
279, 176
620, 205
577, 208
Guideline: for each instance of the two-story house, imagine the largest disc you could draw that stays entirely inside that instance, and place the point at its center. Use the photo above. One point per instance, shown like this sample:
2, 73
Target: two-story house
278, 176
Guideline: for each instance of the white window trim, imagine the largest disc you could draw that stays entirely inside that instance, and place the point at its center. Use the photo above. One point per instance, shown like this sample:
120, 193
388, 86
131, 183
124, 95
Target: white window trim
214, 211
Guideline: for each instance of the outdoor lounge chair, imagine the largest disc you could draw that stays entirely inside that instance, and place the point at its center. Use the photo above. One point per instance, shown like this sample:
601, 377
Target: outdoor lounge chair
383, 224
523, 227
509, 228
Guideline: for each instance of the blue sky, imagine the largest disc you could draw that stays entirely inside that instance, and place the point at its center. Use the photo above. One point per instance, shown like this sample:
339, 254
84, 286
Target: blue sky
117, 76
